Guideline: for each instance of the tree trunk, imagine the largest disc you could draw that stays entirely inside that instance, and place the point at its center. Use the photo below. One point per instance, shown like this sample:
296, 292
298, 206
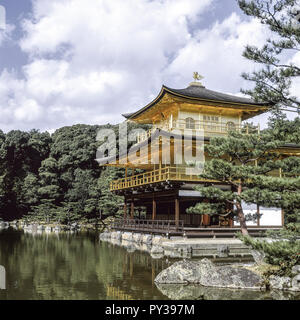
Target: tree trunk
240, 214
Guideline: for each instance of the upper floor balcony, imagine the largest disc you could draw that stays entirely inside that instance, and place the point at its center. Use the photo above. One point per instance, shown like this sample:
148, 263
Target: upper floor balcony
169, 173
155, 176
209, 128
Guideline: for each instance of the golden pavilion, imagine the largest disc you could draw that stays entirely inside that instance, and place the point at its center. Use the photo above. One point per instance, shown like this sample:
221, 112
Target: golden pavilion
165, 189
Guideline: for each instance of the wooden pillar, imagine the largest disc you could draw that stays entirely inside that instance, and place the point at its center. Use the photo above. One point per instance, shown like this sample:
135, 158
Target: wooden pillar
159, 169
282, 217
177, 214
132, 209
206, 217
206, 220
258, 217
153, 209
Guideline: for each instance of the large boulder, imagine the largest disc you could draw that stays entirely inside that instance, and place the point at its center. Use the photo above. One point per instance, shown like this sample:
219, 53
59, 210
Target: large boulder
206, 273
280, 283
296, 283
296, 269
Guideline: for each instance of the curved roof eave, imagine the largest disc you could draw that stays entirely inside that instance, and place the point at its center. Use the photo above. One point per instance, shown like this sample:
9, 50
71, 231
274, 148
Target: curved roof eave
181, 93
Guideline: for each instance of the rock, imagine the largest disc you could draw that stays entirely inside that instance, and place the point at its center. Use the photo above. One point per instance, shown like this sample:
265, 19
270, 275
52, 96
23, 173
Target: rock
156, 250
280, 283
157, 240
105, 235
296, 269
116, 235
137, 237
180, 272
206, 273
296, 283
284, 295
258, 256
127, 236
147, 239
223, 251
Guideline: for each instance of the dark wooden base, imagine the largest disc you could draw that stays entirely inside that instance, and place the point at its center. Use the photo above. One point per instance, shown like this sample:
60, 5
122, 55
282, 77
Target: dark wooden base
169, 228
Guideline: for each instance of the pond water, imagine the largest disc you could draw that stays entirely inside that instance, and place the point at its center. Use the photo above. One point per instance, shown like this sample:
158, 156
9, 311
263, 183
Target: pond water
79, 266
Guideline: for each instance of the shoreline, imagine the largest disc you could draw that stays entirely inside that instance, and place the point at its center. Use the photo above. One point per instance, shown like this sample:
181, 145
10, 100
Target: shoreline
179, 247
43, 226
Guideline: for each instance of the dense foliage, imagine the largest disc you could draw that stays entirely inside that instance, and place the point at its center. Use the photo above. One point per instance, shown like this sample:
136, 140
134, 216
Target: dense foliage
243, 162
283, 252
272, 83
55, 177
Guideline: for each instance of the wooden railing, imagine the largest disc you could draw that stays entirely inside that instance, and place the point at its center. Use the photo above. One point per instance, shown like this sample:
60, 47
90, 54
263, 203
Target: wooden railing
216, 127
170, 174
208, 127
153, 226
159, 175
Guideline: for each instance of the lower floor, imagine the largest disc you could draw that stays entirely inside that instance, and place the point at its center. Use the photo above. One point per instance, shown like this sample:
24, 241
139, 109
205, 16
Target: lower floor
173, 205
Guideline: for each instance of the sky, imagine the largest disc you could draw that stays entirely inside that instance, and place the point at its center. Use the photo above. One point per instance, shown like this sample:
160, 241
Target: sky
64, 62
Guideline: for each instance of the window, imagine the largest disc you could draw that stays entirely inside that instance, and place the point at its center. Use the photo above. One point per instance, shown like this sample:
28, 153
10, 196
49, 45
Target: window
211, 123
190, 123
230, 126
211, 118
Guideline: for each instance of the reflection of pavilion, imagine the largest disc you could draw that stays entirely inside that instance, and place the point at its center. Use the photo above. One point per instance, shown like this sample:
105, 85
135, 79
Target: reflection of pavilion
166, 188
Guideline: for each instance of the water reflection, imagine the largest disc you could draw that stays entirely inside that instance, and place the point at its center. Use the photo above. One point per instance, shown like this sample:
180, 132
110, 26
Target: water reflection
78, 266
74, 266
197, 292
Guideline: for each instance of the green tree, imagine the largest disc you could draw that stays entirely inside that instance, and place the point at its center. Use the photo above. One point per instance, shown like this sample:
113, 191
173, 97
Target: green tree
110, 204
242, 162
21, 154
273, 81
281, 253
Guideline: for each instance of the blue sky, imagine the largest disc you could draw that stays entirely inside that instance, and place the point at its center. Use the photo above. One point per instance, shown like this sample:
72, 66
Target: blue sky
71, 61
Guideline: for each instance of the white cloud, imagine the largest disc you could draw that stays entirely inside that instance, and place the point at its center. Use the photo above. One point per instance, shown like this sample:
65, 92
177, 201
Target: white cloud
5, 33
92, 60
217, 53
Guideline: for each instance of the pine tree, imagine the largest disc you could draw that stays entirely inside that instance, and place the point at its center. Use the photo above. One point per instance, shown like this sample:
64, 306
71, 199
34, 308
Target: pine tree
274, 80
248, 164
